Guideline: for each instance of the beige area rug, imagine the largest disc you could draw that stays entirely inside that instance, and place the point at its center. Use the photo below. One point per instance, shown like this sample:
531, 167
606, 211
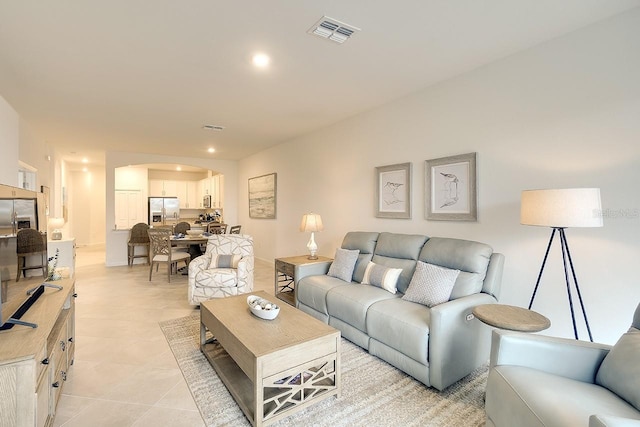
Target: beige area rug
373, 392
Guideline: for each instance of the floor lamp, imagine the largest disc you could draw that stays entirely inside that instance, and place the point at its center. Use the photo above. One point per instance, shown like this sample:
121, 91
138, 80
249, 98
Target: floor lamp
561, 209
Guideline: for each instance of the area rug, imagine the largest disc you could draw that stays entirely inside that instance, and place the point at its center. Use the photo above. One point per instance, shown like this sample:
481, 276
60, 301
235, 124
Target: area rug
373, 392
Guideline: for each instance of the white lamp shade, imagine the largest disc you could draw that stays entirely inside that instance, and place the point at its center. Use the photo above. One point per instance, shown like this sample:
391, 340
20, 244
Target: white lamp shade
56, 223
311, 222
569, 207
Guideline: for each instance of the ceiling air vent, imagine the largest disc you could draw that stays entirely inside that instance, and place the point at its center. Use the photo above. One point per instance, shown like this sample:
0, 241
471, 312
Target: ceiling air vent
332, 29
213, 127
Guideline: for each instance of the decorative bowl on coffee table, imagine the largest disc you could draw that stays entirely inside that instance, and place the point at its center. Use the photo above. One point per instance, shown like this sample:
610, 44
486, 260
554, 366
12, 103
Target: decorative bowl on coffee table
262, 308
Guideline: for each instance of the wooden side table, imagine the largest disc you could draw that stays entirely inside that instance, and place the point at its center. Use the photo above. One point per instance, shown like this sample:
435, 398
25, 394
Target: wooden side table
511, 318
288, 271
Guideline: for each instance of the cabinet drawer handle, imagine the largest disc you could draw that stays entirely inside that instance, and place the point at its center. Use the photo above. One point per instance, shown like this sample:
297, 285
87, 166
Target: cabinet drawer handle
75, 295
63, 345
70, 339
56, 384
45, 361
63, 374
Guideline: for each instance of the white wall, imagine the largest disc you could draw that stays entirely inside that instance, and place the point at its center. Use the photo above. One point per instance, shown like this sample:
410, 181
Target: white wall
86, 199
116, 240
9, 134
563, 114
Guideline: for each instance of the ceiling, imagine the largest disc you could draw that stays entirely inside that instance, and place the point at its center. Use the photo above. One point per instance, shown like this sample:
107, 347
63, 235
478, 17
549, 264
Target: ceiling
145, 75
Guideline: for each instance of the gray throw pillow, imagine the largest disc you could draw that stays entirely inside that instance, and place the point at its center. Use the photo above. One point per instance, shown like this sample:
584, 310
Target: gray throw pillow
381, 276
343, 264
620, 370
225, 261
431, 284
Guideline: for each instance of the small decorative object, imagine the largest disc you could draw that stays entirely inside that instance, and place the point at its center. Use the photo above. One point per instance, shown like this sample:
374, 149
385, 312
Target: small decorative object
262, 308
56, 225
450, 188
53, 267
262, 196
394, 191
560, 209
311, 223
195, 232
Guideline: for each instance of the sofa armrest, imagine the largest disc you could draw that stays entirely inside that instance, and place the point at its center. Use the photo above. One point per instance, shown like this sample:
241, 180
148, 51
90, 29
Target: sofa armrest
200, 263
457, 342
611, 421
578, 360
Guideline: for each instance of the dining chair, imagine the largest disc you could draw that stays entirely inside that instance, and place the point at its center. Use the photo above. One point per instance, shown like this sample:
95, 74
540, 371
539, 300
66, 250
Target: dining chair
161, 252
181, 228
138, 236
235, 229
31, 242
217, 228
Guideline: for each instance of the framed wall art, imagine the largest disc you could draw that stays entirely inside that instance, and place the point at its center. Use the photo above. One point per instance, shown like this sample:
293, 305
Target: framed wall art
393, 191
262, 196
450, 188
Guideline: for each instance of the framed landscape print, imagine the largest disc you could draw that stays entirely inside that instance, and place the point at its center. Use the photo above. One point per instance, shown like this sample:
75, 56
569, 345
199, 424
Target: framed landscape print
393, 191
262, 196
450, 188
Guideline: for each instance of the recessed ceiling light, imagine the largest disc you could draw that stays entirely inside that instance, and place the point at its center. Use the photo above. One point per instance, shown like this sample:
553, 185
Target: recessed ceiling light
178, 168
260, 60
85, 160
211, 150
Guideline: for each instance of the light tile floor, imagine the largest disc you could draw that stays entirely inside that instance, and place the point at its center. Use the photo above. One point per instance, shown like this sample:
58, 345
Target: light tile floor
124, 373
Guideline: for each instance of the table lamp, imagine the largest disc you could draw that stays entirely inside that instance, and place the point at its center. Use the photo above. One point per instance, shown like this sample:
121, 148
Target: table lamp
561, 209
311, 223
56, 225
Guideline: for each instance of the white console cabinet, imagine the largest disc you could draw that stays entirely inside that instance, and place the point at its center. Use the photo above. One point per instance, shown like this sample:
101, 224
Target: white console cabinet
66, 255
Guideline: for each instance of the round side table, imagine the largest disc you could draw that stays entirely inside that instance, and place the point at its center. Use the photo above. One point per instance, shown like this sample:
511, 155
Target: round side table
511, 318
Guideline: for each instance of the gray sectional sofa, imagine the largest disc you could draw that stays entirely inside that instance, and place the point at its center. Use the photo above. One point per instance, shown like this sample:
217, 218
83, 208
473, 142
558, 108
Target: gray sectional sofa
437, 345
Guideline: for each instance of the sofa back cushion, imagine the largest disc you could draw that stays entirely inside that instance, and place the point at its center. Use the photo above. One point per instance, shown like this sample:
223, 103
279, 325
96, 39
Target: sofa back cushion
471, 258
365, 242
399, 251
620, 370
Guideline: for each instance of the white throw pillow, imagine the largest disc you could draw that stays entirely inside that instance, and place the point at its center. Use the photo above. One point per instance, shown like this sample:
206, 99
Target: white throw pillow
343, 264
431, 284
381, 276
225, 261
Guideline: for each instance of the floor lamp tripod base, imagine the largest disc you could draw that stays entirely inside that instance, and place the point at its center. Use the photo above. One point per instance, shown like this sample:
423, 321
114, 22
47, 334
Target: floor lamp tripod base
566, 259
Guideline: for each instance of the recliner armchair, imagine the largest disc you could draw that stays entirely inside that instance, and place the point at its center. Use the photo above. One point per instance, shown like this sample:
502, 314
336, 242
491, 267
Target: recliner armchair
211, 276
535, 380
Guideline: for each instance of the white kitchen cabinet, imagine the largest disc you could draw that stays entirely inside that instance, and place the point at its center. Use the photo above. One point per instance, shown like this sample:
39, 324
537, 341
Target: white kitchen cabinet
192, 195
205, 186
217, 191
129, 208
187, 192
163, 188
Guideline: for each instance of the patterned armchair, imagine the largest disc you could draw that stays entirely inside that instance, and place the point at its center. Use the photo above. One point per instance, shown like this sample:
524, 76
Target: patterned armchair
207, 281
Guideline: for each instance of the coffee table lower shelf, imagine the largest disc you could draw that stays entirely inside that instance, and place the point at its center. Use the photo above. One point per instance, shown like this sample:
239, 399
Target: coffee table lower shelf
283, 393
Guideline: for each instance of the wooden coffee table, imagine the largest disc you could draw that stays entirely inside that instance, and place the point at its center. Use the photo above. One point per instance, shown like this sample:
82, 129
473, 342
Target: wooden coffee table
272, 368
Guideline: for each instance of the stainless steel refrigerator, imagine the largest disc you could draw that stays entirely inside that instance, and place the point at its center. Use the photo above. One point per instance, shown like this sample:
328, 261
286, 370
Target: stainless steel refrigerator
16, 214
164, 210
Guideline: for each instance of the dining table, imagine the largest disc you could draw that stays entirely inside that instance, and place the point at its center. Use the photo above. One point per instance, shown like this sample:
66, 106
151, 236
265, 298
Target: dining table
191, 242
